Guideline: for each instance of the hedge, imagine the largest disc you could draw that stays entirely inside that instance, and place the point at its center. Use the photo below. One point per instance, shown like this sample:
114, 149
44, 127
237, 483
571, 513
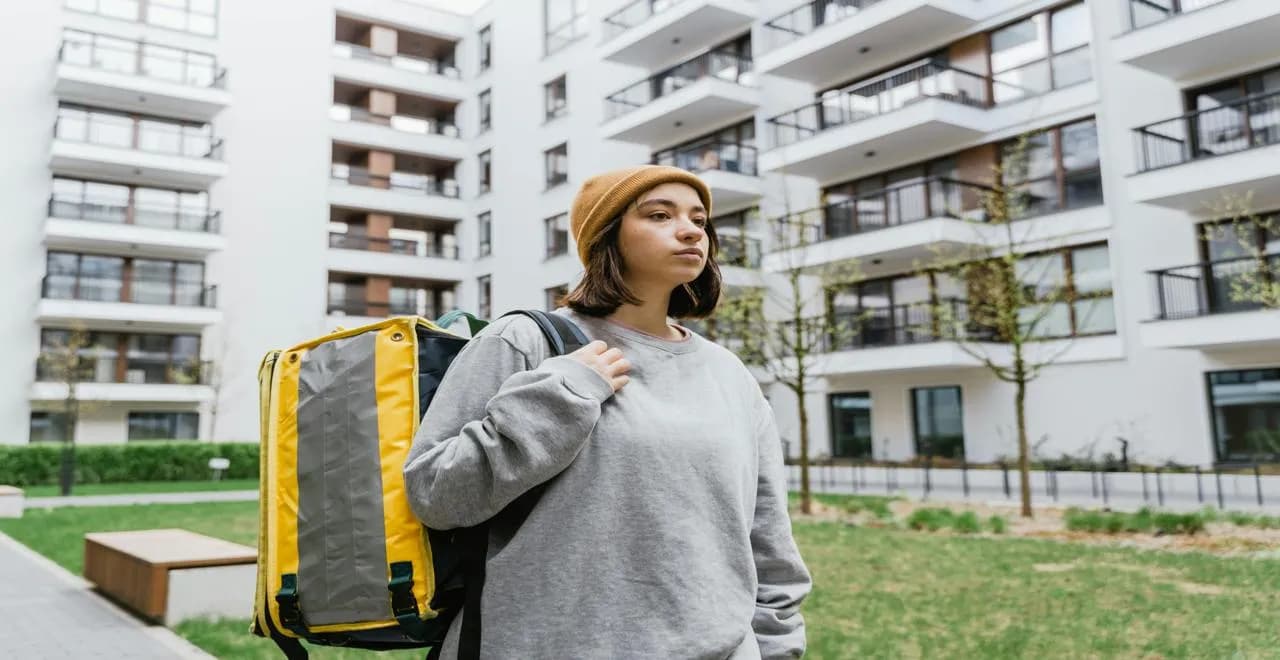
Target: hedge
37, 465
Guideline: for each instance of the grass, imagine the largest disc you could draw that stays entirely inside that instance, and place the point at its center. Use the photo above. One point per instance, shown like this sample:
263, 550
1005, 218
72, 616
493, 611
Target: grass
885, 593
146, 487
1144, 521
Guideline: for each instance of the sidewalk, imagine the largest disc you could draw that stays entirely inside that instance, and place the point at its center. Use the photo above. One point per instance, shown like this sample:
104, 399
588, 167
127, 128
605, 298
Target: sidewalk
50, 614
141, 498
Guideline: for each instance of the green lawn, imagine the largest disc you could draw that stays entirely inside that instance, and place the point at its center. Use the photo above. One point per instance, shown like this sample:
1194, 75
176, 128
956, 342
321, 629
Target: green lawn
886, 593
147, 487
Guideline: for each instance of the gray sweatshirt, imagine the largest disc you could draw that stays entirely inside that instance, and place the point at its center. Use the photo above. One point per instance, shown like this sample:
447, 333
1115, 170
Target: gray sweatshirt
666, 533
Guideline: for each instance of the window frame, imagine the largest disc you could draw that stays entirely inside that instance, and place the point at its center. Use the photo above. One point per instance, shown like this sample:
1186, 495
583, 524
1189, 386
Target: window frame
576, 26
484, 161
1050, 55
173, 416
555, 248
484, 36
1213, 426
484, 296
915, 419
551, 159
831, 423
484, 234
558, 110
484, 109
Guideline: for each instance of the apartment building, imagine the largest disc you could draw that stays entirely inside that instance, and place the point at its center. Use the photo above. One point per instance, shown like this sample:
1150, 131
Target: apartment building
224, 177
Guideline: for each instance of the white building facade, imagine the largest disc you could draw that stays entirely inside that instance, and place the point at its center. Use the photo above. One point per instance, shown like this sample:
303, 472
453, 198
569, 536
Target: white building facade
223, 177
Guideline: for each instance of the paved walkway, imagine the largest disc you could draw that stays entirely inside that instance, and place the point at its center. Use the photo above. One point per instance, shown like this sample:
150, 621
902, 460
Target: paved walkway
48, 613
141, 498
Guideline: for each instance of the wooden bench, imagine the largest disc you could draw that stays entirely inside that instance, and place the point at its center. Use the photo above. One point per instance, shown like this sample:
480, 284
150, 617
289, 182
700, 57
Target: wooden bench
169, 575
11, 502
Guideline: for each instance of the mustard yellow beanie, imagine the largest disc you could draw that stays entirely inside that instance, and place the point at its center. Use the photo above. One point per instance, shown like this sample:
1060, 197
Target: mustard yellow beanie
604, 197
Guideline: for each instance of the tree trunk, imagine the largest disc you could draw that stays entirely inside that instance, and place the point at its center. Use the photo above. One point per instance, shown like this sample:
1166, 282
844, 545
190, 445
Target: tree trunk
67, 469
1024, 462
806, 497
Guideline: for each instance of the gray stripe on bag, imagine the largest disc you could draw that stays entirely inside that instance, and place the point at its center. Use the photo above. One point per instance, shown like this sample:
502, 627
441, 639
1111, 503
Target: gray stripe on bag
342, 562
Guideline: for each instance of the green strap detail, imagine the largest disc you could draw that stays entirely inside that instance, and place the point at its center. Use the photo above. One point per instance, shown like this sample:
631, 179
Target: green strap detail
287, 598
475, 324
403, 605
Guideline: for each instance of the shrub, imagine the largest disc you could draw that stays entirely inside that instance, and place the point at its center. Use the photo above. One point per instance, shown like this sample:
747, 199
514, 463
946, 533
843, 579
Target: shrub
1142, 521
967, 523
998, 525
36, 465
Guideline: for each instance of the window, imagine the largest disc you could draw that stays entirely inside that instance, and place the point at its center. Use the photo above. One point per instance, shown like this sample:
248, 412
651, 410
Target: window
1073, 290
486, 171
102, 278
1054, 170
738, 247
108, 357
938, 421
485, 39
484, 233
484, 296
563, 22
850, 424
730, 149
164, 426
486, 110
556, 95
556, 164
1245, 406
195, 16
555, 295
1231, 123
48, 427
1049, 50
557, 232
1233, 252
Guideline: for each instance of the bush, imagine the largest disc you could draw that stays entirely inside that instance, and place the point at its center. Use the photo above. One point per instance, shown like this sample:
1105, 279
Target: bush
967, 523
998, 525
936, 519
37, 465
1141, 522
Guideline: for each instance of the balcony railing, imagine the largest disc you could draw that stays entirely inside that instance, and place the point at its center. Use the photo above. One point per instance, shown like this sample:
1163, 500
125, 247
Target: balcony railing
902, 325
422, 183
163, 15
804, 19
141, 215
1149, 12
150, 135
115, 289
708, 155
96, 368
403, 62
904, 203
1253, 121
712, 64
96, 51
886, 93
391, 246
1212, 287
633, 14
406, 123
360, 307
739, 251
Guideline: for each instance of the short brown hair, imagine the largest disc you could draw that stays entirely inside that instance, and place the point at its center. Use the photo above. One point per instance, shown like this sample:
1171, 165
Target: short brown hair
603, 288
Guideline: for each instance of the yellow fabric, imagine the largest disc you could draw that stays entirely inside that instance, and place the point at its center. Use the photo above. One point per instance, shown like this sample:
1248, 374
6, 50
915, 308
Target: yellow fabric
604, 197
265, 370
282, 524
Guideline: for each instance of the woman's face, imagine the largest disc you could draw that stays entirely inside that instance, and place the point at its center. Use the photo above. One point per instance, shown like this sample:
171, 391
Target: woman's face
663, 238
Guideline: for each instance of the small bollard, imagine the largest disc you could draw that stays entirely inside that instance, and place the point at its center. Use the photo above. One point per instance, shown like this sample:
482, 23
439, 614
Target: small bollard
219, 465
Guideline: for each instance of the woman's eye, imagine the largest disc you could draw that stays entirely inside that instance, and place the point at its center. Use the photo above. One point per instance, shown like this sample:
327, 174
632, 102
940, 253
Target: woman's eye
658, 216
701, 222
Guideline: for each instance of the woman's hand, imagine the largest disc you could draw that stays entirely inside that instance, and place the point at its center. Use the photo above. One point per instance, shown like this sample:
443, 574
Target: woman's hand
608, 362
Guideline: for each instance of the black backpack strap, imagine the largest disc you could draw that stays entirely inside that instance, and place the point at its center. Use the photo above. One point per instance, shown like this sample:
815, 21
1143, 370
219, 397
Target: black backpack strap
565, 337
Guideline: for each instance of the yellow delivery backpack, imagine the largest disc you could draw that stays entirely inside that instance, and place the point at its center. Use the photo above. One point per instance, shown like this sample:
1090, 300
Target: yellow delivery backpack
342, 560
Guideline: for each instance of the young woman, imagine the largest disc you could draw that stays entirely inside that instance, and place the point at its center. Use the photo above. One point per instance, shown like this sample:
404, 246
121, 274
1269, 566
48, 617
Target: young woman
664, 533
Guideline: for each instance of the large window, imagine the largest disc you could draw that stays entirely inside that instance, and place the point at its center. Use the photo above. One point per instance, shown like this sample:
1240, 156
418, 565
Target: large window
1246, 414
1228, 122
556, 165
485, 39
938, 421
119, 279
48, 426
556, 96
1073, 290
730, 149
164, 426
484, 296
148, 207
485, 101
850, 424
557, 235
485, 162
109, 357
1230, 251
1054, 170
564, 22
1046, 51
484, 234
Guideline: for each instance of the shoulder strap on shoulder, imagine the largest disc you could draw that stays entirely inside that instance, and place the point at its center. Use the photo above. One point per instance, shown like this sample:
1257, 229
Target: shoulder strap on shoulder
565, 335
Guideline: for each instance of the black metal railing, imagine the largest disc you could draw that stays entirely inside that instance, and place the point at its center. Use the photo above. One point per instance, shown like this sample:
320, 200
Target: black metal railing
804, 19
406, 123
401, 246
1253, 121
711, 154
96, 368
137, 133
888, 92
739, 251
403, 62
424, 183
935, 197
138, 290
633, 14
903, 324
720, 64
140, 215
1213, 287
138, 58
1149, 12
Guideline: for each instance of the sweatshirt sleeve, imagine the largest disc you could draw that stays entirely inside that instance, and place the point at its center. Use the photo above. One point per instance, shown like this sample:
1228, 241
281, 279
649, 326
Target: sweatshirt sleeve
497, 428
783, 581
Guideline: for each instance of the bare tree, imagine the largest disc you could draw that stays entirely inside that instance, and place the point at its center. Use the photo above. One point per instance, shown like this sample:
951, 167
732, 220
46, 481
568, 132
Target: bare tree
66, 362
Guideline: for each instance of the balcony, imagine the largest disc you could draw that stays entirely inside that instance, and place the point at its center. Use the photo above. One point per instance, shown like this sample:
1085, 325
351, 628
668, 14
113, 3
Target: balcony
821, 42
352, 305
1214, 306
394, 257
728, 168
1186, 39
646, 33
147, 78
922, 108
93, 144
110, 379
432, 78
131, 229
739, 251
1193, 162
412, 134
406, 193
132, 304
694, 97
197, 18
